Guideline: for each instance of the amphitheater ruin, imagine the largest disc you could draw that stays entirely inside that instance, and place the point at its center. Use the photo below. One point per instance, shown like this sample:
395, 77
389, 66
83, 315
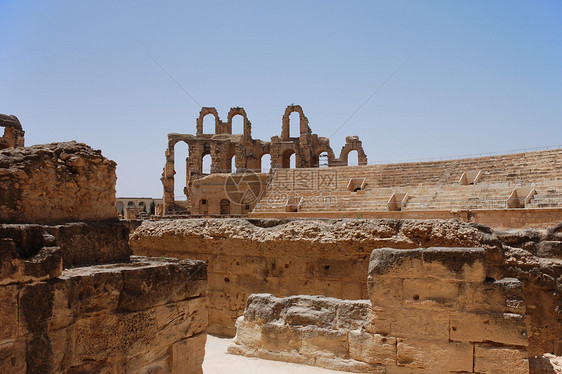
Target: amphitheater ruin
431, 267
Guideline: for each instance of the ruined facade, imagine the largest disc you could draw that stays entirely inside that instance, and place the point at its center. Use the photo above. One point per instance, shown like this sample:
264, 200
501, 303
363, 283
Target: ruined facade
222, 146
12, 132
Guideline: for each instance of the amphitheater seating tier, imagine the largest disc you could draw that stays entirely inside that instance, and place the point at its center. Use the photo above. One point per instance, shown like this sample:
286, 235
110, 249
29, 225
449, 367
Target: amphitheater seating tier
429, 185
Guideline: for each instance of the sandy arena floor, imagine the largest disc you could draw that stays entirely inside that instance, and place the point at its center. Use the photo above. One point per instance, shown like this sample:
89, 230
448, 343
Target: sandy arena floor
217, 361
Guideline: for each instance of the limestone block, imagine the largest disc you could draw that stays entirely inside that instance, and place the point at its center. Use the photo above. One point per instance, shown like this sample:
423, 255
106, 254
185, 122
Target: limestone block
464, 264
439, 291
503, 328
386, 291
501, 296
496, 359
25, 263
84, 243
322, 342
277, 338
187, 355
248, 334
155, 285
418, 322
372, 348
438, 357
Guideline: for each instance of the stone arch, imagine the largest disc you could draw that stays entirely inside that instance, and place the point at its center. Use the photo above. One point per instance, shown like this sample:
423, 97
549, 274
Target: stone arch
204, 112
352, 143
131, 204
285, 130
286, 158
238, 111
261, 168
120, 206
324, 149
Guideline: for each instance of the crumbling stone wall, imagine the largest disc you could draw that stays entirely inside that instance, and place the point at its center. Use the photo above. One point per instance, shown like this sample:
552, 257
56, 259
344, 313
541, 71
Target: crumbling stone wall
330, 257
431, 310
72, 299
222, 146
12, 132
148, 314
56, 182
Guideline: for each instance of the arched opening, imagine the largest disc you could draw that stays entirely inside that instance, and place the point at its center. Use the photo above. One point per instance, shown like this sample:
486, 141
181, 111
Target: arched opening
225, 206
206, 164
203, 207
294, 125
288, 159
209, 124
238, 124
142, 206
120, 207
353, 158
131, 204
323, 160
265, 163
233, 164
181, 152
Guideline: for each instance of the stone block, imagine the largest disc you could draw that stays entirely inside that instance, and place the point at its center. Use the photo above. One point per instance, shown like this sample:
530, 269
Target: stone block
418, 322
248, 334
372, 348
322, 342
496, 359
386, 291
465, 264
503, 328
277, 338
434, 356
187, 355
501, 296
444, 292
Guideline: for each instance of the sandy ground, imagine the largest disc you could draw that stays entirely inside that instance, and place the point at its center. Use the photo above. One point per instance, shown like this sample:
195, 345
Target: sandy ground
217, 361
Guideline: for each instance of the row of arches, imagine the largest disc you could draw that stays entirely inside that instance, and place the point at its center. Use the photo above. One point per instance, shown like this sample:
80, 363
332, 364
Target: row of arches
294, 122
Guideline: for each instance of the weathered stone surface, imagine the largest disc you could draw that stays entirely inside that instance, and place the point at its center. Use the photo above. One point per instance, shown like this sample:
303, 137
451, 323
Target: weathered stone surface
493, 359
16, 267
79, 243
12, 132
78, 321
312, 330
56, 182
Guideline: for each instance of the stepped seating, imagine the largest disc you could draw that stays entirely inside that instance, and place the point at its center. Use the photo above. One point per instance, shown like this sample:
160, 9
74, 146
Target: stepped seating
435, 185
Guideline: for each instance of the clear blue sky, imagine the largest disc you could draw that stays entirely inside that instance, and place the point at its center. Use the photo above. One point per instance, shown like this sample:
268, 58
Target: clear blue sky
484, 76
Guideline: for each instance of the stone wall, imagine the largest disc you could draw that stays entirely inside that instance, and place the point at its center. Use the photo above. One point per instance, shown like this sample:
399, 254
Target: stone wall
330, 257
432, 310
289, 257
57, 182
72, 300
144, 315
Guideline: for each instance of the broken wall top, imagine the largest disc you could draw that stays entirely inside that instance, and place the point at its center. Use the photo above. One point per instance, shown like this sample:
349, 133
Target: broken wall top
58, 182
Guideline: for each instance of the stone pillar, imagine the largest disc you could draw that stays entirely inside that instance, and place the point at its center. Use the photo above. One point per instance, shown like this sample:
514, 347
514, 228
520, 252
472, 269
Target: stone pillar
168, 180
